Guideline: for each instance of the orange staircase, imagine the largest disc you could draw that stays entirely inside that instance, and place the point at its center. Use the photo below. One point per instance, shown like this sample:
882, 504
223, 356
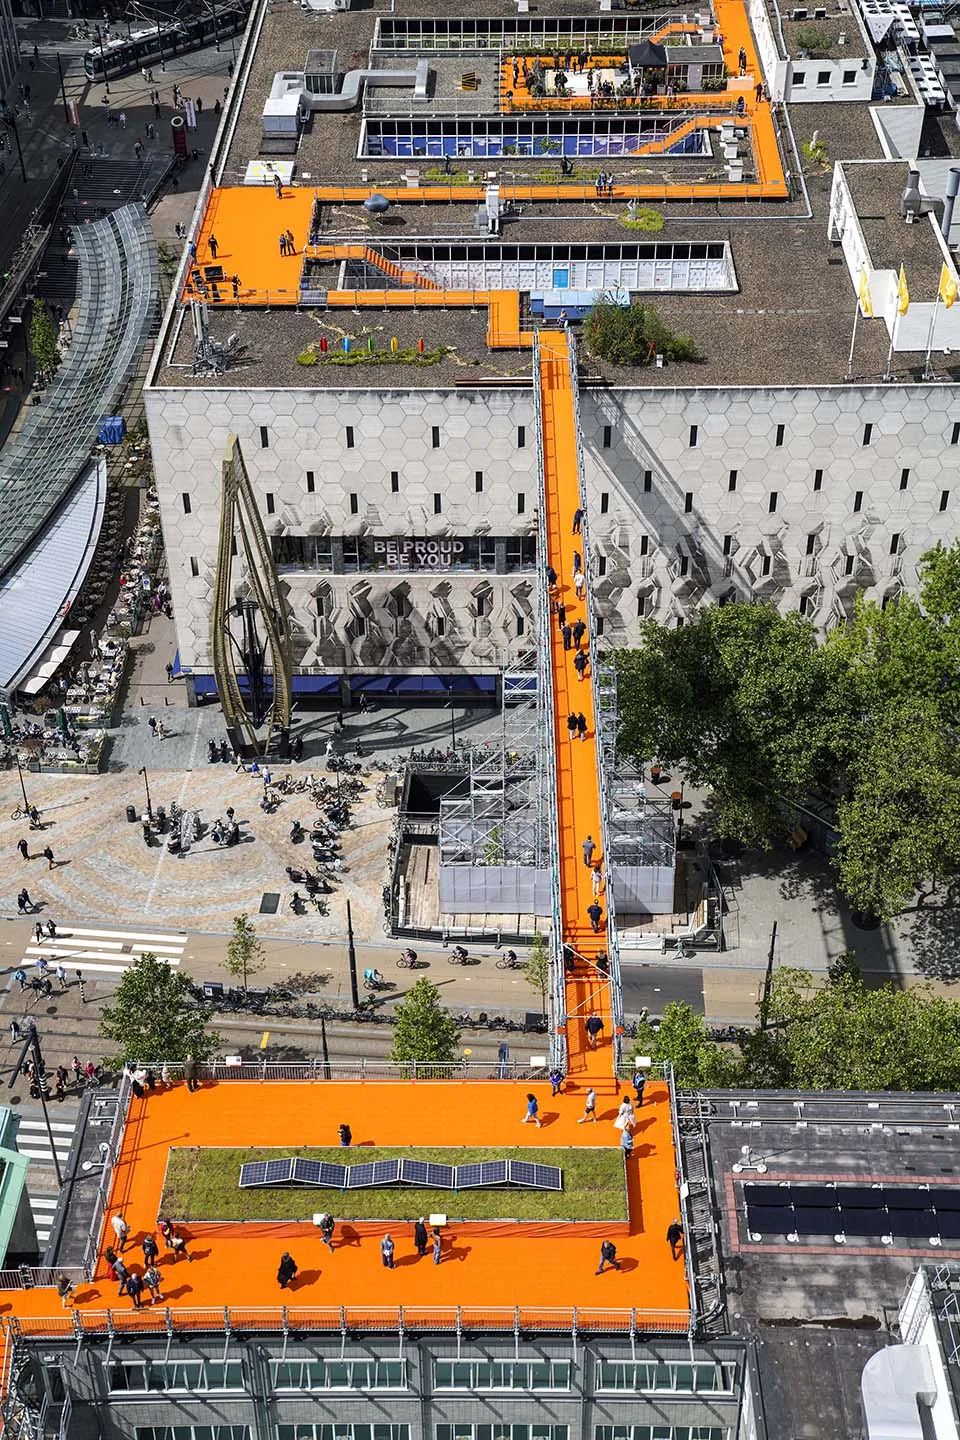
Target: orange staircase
666, 142
577, 776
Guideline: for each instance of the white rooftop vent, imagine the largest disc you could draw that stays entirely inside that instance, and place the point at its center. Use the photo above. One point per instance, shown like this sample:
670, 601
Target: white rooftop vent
894, 1383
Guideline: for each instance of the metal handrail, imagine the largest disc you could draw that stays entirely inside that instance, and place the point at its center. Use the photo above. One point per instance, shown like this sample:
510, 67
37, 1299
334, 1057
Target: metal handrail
683, 1192
398, 1319
39, 1277
271, 1072
111, 1155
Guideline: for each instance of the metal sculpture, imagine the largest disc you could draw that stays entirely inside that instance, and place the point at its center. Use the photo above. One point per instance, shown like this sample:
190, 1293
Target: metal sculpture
263, 664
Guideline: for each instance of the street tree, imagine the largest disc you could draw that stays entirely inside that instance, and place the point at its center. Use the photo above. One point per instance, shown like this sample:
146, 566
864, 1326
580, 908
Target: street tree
900, 827
740, 699
683, 1039
536, 971
155, 1015
245, 954
424, 1031
42, 339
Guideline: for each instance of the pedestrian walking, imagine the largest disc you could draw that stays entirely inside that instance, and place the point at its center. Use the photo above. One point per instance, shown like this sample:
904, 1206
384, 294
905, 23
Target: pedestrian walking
594, 1028
77, 1069
420, 1236
577, 520
62, 976
52, 929
595, 913
608, 1256
561, 615
82, 987
596, 879
572, 725
135, 1288
15, 1031
161, 731
326, 1230
121, 1229
60, 1082
581, 726
151, 1250
589, 1107
533, 1112
556, 1080
567, 633
24, 848
283, 242
137, 149
437, 1240
579, 584
278, 186
64, 1290
42, 964
152, 722
346, 1135
190, 1073
551, 577
291, 243
212, 242
625, 1114
386, 1252
579, 630
580, 663
639, 1081
123, 119
152, 1280
626, 1141
121, 1273
178, 1244
674, 1238
286, 1270
235, 286
588, 847
48, 856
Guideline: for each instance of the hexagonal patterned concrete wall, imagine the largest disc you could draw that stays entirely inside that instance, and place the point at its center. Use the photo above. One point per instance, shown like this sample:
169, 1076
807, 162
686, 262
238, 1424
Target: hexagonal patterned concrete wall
820, 508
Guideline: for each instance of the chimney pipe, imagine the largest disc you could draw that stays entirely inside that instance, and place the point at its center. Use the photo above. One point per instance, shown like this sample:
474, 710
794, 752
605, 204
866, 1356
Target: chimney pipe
953, 188
911, 201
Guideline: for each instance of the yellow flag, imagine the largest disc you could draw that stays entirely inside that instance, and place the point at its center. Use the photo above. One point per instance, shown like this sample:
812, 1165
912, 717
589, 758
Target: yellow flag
863, 290
903, 294
948, 287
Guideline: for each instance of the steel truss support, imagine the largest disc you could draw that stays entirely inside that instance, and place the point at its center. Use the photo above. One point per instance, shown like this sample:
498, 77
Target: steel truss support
265, 665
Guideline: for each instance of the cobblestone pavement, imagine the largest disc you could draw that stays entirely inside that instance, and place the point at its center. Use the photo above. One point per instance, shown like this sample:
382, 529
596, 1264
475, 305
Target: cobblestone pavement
104, 870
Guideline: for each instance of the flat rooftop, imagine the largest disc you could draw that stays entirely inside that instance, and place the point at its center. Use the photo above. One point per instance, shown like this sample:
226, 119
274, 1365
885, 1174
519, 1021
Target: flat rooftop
837, 37
876, 191
489, 1268
785, 321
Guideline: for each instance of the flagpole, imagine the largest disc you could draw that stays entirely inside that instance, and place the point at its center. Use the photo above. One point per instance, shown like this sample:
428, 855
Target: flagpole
888, 373
853, 338
927, 372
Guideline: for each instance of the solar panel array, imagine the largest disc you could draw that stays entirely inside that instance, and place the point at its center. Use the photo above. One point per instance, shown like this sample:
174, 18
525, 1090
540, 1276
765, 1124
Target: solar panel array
910, 1213
260, 1174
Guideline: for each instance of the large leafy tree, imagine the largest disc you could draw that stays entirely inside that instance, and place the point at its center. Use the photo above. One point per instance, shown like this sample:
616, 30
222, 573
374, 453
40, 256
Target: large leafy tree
424, 1031
742, 699
900, 827
43, 339
682, 1038
155, 1015
536, 971
846, 1036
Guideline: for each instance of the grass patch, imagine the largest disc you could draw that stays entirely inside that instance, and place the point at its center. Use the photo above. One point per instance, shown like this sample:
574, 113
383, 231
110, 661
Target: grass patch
203, 1184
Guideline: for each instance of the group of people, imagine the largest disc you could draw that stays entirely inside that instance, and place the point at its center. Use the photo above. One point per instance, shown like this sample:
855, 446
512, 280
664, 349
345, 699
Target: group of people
423, 1240
134, 1281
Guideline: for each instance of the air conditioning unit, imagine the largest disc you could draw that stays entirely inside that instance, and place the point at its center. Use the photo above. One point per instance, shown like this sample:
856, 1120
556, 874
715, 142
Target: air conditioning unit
800, 13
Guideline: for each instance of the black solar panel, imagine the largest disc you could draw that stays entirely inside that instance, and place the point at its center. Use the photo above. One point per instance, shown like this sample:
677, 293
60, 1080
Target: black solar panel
907, 1199
537, 1177
806, 1197
947, 1224
425, 1172
860, 1197
825, 1220
768, 1194
858, 1220
769, 1219
373, 1172
265, 1172
945, 1198
319, 1172
487, 1173
358, 1175
912, 1224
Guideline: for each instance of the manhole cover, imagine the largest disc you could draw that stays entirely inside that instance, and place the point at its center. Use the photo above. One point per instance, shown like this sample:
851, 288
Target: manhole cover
269, 903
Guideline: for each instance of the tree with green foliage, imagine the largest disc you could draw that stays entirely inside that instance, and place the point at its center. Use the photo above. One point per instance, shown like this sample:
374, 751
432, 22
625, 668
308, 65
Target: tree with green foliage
633, 335
245, 955
155, 1016
847, 1036
42, 340
536, 971
740, 699
900, 827
683, 1039
424, 1031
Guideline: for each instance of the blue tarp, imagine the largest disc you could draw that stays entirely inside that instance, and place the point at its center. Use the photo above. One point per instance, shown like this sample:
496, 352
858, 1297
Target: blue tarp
428, 685
112, 430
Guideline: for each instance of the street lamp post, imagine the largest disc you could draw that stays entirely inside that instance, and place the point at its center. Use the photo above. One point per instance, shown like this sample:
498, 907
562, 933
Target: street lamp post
453, 719
63, 93
146, 786
32, 1044
103, 59
9, 120
23, 788
352, 959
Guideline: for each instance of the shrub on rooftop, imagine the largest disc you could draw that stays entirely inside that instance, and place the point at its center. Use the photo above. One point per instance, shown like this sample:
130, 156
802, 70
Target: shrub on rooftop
633, 335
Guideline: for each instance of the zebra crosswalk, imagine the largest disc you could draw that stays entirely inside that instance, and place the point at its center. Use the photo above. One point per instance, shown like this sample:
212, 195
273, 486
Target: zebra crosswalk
34, 1142
103, 952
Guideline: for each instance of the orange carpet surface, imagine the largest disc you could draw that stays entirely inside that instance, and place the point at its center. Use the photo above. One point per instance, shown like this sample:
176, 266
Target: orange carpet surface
530, 1265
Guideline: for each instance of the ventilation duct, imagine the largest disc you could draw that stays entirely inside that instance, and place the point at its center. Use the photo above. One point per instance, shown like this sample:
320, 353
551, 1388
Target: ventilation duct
894, 1383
